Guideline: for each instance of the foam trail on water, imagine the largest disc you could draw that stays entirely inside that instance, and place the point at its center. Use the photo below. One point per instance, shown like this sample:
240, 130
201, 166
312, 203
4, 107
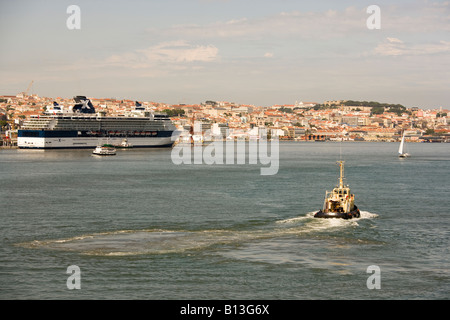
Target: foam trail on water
160, 241
296, 219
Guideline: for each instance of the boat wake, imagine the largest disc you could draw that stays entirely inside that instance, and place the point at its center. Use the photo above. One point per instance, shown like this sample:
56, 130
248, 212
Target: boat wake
135, 242
343, 222
160, 241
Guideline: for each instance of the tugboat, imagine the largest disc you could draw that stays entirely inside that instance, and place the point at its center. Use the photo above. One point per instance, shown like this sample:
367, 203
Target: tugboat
339, 203
124, 145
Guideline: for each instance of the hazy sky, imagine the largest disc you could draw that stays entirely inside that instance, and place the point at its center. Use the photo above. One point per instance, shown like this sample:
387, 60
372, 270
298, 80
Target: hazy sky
257, 52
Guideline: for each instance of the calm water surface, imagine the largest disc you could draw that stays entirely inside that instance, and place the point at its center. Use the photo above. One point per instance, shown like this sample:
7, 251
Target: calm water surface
140, 227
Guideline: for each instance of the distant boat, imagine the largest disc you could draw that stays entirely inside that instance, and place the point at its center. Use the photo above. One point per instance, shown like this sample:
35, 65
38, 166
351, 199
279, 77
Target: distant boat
339, 203
124, 145
401, 152
105, 150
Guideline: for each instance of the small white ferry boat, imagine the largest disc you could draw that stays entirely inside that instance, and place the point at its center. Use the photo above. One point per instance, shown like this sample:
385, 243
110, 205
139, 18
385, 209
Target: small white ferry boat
104, 150
339, 203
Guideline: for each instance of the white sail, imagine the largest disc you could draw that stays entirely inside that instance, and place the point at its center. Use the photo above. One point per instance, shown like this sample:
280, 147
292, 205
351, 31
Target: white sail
400, 149
401, 153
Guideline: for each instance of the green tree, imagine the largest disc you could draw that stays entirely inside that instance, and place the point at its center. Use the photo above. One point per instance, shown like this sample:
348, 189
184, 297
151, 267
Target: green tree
286, 110
377, 110
174, 112
430, 132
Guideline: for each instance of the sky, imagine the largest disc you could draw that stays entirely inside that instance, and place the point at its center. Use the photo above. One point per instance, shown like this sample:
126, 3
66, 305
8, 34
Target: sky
257, 52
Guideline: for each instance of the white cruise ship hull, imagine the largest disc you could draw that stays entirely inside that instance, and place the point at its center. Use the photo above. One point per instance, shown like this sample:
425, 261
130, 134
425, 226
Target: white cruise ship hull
90, 142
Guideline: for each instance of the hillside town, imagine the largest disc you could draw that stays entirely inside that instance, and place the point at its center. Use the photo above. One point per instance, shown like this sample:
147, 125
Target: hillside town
334, 120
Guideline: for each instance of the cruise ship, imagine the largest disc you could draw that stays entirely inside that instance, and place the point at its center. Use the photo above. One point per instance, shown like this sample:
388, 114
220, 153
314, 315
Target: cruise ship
80, 126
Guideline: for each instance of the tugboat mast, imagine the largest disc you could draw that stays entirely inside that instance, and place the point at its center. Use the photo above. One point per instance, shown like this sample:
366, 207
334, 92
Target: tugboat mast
341, 178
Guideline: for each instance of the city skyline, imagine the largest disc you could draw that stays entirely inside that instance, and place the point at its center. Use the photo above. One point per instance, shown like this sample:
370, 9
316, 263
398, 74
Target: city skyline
256, 52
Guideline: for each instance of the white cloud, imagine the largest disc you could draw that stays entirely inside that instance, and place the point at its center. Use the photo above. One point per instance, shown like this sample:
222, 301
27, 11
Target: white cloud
268, 55
394, 40
284, 24
391, 47
177, 52
396, 47
322, 25
235, 21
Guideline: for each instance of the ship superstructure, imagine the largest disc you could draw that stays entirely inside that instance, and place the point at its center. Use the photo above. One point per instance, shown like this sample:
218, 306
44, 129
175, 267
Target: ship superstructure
79, 126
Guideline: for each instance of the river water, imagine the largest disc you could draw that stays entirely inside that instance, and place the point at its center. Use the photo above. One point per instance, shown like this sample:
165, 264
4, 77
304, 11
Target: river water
138, 226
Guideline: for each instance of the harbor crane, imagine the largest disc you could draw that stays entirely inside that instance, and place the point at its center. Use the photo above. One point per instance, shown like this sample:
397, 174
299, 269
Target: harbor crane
25, 93
28, 89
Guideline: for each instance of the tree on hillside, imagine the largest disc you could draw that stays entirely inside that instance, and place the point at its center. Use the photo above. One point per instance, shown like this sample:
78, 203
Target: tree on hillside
377, 110
286, 110
430, 132
174, 112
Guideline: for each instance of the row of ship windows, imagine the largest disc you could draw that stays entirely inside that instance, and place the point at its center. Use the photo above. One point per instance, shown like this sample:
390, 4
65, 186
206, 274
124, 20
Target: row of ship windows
60, 134
79, 127
92, 122
97, 121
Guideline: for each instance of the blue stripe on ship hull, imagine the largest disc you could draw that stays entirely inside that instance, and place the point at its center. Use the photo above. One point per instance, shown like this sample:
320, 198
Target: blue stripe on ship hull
47, 134
85, 147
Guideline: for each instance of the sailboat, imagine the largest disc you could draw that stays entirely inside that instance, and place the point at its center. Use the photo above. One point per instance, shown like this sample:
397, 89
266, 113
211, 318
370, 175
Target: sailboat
401, 152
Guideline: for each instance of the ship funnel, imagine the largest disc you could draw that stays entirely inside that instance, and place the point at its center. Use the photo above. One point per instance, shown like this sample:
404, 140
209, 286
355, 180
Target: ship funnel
83, 105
